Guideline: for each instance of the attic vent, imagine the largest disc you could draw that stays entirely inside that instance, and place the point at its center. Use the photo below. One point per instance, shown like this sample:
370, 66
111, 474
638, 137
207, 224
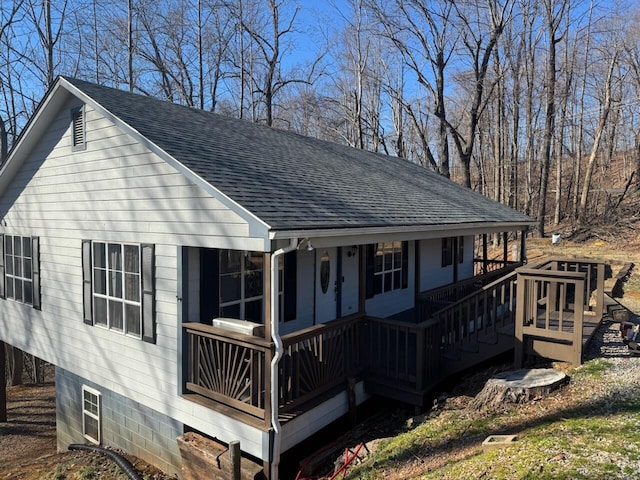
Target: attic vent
77, 128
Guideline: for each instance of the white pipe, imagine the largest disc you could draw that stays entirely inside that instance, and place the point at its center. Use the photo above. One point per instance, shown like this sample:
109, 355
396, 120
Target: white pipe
275, 335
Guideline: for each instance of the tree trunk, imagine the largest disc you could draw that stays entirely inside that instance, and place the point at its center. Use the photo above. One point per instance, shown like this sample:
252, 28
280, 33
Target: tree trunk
602, 122
517, 387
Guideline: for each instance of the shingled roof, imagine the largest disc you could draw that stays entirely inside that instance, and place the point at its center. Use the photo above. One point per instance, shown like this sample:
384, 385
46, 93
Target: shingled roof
292, 182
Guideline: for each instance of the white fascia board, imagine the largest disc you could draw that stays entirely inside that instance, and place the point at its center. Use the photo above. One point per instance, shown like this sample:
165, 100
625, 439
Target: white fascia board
350, 236
192, 176
34, 129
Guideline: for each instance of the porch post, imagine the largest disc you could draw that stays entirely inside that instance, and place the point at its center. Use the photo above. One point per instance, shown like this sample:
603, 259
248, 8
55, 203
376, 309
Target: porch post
268, 356
416, 286
362, 279
505, 247
485, 254
523, 245
3, 384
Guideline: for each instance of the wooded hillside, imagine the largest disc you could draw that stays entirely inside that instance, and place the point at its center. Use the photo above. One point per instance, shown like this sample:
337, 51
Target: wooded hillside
532, 102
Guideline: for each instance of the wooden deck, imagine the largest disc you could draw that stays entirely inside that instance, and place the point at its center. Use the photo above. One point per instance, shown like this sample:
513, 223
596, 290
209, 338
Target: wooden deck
551, 310
560, 304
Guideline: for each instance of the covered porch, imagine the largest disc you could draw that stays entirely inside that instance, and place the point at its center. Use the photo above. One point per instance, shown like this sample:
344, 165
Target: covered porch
226, 362
229, 371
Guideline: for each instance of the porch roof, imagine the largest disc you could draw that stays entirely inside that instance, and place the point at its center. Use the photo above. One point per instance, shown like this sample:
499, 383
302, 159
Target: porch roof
292, 182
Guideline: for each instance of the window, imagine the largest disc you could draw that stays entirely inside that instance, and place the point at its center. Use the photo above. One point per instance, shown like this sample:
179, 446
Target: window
241, 279
91, 414
21, 263
387, 267
78, 129
118, 287
239, 285
449, 246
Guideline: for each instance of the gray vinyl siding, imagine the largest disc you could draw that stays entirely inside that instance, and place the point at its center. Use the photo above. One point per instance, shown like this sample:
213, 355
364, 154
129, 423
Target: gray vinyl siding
115, 190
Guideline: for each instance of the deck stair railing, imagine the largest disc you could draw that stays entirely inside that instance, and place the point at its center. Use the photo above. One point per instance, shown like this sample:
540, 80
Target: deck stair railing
431, 301
479, 316
409, 356
560, 302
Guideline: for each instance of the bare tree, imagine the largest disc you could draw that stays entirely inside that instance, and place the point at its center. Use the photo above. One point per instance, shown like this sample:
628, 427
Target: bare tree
423, 33
44, 16
605, 110
7, 17
554, 14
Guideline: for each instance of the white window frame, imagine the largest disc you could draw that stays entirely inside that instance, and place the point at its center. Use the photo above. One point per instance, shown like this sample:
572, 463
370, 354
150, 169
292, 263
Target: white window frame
96, 416
383, 249
243, 300
109, 295
11, 260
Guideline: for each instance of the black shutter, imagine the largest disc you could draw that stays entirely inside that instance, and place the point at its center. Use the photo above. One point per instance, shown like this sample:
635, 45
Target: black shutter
405, 264
2, 279
209, 284
460, 249
148, 293
35, 269
370, 268
290, 285
87, 286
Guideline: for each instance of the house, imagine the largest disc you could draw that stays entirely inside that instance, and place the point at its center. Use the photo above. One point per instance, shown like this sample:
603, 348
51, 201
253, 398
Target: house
184, 271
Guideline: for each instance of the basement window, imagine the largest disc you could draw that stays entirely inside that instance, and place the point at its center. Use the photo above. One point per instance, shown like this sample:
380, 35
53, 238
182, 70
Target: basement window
78, 129
91, 414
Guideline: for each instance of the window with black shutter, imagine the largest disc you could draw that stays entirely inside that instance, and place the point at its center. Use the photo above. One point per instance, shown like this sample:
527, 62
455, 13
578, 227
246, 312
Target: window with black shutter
20, 269
119, 287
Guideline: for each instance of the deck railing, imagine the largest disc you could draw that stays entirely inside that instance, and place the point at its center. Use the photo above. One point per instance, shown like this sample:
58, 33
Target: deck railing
233, 369
401, 353
229, 368
557, 301
478, 315
318, 359
483, 267
432, 301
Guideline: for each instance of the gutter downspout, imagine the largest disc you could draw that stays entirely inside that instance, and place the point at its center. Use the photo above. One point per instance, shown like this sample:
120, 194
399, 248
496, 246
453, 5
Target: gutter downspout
275, 335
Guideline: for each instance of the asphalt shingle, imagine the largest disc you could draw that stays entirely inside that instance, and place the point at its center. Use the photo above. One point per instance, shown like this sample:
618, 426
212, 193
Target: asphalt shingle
294, 182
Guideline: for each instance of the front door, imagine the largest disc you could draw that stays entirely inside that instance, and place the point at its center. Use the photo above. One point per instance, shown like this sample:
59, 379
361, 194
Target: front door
326, 284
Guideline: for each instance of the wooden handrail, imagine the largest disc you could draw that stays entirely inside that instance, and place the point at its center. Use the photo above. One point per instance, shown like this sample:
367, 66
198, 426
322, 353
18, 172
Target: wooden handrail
222, 333
551, 313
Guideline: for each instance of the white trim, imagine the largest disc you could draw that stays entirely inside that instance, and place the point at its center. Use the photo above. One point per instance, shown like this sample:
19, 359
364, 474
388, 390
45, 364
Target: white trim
107, 297
96, 417
416, 231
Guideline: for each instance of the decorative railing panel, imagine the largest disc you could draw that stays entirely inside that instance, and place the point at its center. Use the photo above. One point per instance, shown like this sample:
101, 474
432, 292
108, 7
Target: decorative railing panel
227, 367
